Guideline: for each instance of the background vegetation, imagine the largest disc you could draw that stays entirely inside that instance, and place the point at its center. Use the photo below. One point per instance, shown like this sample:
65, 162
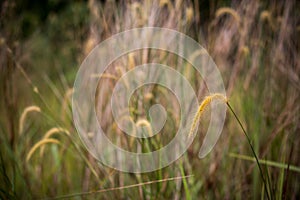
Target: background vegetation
255, 45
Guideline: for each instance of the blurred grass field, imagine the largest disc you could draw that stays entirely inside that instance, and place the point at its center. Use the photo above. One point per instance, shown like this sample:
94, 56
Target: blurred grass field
255, 44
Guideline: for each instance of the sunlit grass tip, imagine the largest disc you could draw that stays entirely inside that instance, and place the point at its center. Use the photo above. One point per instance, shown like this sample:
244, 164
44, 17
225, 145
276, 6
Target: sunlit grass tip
24, 114
39, 144
230, 11
203, 106
51, 132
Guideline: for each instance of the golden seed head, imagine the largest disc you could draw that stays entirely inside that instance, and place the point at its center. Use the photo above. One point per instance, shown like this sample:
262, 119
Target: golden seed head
265, 15
36, 90
2, 41
230, 11
204, 105
189, 14
39, 144
131, 61
24, 114
245, 51
162, 3
148, 96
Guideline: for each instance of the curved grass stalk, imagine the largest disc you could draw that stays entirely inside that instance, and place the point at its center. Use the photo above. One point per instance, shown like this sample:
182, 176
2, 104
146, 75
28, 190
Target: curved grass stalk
51, 132
39, 144
203, 107
24, 114
266, 16
230, 11
252, 149
55, 130
35, 90
223, 98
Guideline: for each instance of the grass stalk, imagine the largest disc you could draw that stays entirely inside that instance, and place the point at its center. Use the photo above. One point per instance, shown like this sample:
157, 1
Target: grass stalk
120, 188
24, 114
223, 98
252, 149
266, 162
39, 144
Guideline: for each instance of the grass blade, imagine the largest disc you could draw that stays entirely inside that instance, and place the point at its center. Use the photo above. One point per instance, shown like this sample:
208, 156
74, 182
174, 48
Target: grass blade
120, 188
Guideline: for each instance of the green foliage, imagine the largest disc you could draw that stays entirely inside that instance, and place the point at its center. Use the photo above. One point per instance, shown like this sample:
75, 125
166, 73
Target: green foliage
42, 45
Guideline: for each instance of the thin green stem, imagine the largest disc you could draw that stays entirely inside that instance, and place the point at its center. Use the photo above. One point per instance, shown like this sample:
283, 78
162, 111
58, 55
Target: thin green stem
252, 149
266, 162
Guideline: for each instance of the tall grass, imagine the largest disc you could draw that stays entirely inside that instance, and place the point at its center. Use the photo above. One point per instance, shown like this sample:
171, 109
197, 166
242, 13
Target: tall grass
254, 44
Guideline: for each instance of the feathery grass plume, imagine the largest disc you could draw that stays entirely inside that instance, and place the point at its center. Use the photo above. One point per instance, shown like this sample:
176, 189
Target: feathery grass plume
2, 41
223, 98
189, 14
89, 45
90, 134
148, 96
131, 61
144, 122
36, 90
245, 51
49, 133
167, 3
56, 130
178, 4
203, 106
162, 3
266, 16
230, 11
39, 144
138, 14
24, 114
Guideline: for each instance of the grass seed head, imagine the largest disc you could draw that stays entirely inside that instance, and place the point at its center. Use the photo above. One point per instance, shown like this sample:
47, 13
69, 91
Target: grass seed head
203, 106
24, 114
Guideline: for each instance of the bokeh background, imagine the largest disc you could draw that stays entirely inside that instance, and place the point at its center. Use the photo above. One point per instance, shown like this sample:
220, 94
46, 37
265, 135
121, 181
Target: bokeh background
255, 44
